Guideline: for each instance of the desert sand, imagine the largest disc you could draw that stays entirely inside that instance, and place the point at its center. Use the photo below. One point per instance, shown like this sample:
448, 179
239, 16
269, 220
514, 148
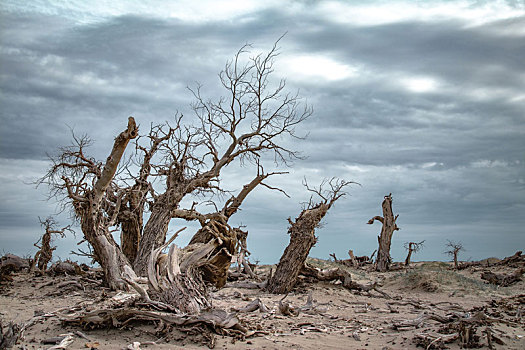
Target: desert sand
329, 316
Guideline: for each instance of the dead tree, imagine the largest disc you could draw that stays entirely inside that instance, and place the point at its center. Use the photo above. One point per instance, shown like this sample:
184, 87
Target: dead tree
215, 225
248, 122
453, 251
175, 162
385, 238
302, 235
242, 253
412, 247
84, 183
45, 252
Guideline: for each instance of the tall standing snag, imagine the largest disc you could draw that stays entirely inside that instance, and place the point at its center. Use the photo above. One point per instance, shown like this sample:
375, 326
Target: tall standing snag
302, 235
85, 182
387, 231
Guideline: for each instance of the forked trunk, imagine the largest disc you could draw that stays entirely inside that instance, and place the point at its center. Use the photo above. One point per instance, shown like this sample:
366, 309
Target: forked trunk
106, 251
95, 224
154, 235
385, 238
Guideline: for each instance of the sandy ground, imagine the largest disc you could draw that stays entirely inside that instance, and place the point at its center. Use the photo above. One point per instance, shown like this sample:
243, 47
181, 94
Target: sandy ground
341, 319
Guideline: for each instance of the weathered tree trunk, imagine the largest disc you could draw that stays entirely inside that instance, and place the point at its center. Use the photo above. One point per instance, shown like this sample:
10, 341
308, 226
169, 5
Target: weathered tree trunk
215, 268
456, 264
45, 254
92, 220
302, 239
154, 235
407, 260
385, 238
131, 221
352, 258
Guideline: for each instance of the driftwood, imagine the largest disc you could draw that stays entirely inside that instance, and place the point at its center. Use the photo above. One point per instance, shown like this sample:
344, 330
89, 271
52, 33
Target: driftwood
469, 328
516, 260
9, 334
502, 279
11, 263
257, 304
337, 274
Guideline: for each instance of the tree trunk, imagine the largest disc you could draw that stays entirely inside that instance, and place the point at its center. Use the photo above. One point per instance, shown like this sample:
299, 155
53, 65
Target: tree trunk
456, 259
94, 223
154, 235
302, 239
215, 268
106, 251
352, 258
407, 260
131, 221
46, 252
385, 238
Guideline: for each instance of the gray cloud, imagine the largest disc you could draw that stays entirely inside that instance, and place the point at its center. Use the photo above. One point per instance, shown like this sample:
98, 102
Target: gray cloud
452, 156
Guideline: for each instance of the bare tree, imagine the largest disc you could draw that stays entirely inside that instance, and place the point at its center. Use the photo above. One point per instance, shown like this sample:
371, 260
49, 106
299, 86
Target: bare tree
302, 234
175, 161
45, 251
453, 250
251, 120
84, 182
387, 231
412, 247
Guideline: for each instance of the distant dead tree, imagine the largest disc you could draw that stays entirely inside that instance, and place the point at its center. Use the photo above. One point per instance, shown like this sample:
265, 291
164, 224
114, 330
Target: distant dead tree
453, 250
45, 251
387, 230
176, 161
412, 247
302, 234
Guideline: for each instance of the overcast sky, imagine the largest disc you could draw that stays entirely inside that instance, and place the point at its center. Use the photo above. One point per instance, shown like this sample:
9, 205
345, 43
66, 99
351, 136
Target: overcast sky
421, 99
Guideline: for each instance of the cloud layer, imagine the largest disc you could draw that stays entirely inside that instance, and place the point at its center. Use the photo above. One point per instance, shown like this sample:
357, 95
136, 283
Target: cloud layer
424, 100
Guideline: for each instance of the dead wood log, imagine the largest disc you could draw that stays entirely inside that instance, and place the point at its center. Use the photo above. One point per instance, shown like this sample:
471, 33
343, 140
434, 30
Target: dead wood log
287, 309
247, 285
302, 236
503, 280
254, 305
516, 260
388, 221
417, 322
9, 335
123, 316
337, 274
17, 262
434, 340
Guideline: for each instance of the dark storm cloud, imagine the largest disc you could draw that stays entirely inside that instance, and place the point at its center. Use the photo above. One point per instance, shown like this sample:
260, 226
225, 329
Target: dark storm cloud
452, 155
